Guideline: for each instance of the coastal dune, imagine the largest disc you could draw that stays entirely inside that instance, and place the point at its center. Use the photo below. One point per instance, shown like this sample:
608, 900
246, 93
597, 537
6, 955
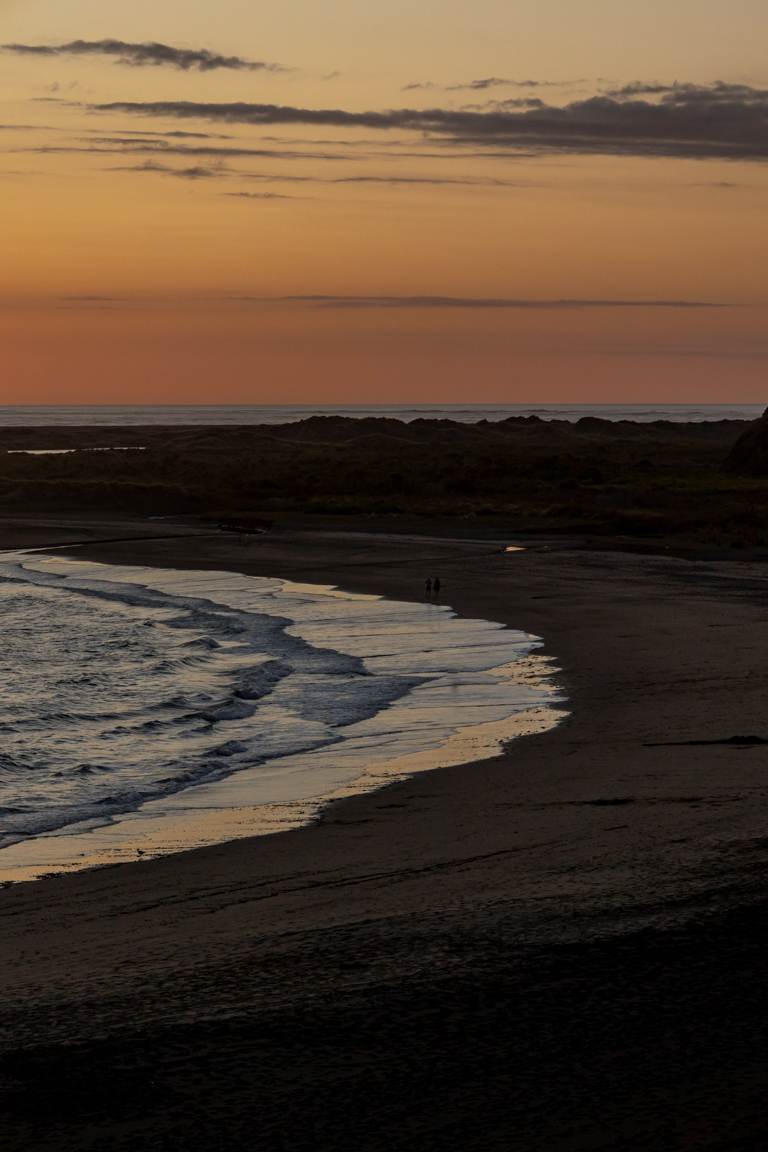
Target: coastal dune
558, 948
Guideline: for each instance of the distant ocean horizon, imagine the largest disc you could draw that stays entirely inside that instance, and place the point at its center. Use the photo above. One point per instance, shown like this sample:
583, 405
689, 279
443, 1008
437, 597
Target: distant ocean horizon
34, 415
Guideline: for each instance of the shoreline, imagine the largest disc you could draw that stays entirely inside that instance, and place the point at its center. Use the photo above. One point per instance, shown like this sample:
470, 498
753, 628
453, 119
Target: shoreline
510, 902
233, 806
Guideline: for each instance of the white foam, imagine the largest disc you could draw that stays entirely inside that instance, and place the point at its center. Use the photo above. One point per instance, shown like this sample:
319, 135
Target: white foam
339, 691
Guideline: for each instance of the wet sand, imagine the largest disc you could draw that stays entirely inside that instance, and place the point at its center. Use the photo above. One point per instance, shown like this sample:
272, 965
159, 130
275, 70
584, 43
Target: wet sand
558, 948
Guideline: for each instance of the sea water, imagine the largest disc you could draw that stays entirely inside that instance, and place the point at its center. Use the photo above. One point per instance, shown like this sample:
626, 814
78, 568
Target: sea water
54, 416
136, 702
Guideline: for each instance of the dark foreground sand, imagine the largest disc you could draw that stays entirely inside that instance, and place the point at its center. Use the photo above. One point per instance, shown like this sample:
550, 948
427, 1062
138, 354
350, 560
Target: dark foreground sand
557, 949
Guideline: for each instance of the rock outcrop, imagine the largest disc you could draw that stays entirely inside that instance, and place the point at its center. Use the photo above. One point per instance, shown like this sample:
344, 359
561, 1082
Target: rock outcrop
749, 455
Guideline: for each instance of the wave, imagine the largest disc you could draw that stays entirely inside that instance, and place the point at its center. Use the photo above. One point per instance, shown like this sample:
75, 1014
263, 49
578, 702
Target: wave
131, 685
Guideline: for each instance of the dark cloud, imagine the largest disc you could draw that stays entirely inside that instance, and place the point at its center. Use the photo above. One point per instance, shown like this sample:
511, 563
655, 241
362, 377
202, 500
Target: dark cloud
263, 114
510, 104
471, 302
194, 172
139, 145
148, 54
490, 82
518, 102
677, 93
483, 85
161, 148
231, 151
56, 100
715, 122
472, 181
177, 134
262, 196
220, 170
640, 88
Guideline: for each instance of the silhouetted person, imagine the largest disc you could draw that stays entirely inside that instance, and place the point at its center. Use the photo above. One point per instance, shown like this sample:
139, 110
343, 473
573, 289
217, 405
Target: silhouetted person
436, 585
428, 587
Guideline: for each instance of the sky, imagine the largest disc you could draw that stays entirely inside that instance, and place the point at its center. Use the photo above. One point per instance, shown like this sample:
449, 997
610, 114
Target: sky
541, 201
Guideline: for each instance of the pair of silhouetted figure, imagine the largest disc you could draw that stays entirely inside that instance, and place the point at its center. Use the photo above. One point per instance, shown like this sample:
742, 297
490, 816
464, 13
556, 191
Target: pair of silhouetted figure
432, 587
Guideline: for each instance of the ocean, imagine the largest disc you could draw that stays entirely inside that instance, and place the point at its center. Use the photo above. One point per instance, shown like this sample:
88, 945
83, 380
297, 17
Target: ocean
160, 709
180, 414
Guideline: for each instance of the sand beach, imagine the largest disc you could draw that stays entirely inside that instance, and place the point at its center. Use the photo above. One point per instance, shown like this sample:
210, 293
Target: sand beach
557, 948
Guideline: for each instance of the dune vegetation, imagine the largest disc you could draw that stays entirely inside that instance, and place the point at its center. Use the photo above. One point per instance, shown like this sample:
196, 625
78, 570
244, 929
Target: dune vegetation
682, 483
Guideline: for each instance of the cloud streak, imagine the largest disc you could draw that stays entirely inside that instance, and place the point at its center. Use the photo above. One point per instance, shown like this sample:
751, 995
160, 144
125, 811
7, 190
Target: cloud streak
149, 54
474, 302
262, 196
483, 84
688, 122
677, 93
194, 172
364, 303
220, 170
139, 146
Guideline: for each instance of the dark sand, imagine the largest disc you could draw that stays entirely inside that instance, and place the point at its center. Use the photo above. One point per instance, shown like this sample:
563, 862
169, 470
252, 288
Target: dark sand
556, 949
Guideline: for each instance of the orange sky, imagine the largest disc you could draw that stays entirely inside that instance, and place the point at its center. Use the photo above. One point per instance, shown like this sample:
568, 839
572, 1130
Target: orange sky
148, 251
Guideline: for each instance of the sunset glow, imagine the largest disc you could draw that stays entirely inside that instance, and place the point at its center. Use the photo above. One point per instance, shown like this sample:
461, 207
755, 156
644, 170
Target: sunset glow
304, 204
